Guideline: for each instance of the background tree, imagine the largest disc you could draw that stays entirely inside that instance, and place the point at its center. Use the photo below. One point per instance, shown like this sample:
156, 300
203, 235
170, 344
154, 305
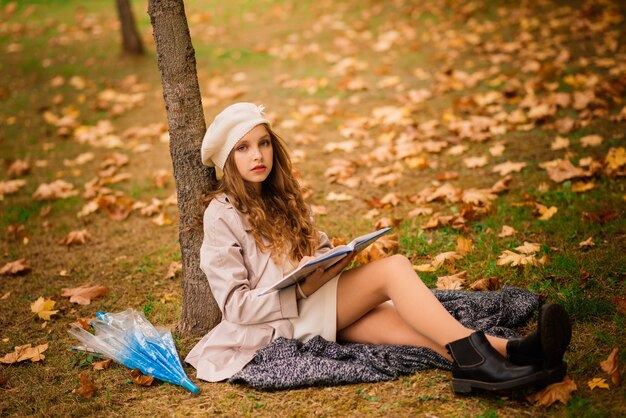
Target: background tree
177, 64
131, 42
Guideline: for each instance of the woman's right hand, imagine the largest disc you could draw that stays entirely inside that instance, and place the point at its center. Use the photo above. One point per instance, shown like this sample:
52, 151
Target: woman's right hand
320, 276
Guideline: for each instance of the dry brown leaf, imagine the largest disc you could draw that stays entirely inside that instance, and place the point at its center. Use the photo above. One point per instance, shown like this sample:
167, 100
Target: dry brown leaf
58, 189
556, 392
14, 268
611, 367
515, 259
620, 304
615, 160
87, 388
383, 247
173, 269
509, 167
387, 222
453, 282
43, 308
448, 257
18, 168
140, 378
464, 245
84, 294
587, 243
590, 140
420, 211
10, 186
529, 248
561, 170
488, 283
25, 352
102, 365
501, 185
583, 186
559, 143
161, 178
319, 210
507, 231
76, 238
338, 197
475, 162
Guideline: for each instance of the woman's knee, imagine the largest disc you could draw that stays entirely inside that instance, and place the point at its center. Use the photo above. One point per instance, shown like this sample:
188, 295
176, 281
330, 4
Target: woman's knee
400, 262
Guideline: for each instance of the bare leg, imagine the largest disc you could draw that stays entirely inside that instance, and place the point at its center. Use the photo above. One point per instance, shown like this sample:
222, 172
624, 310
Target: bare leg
360, 291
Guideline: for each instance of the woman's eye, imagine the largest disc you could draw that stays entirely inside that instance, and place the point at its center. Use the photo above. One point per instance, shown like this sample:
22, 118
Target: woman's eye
265, 143
241, 148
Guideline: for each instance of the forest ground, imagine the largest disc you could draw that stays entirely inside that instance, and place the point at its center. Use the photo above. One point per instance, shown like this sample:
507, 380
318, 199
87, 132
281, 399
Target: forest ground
403, 113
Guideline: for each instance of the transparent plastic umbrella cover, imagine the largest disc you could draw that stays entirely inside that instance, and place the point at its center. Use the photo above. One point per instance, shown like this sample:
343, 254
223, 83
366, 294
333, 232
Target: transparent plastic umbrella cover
129, 338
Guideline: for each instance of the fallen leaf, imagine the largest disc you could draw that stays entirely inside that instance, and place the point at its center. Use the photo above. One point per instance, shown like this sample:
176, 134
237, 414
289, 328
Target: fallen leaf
173, 268
463, 245
488, 283
140, 378
561, 170
84, 294
14, 268
453, 282
448, 257
58, 189
590, 140
559, 143
420, 211
615, 159
160, 178
529, 248
545, 212
507, 231
383, 247
587, 243
76, 238
25, 352
597, 382
11, 186
424, 267
18, 168
43, 308
338, 197
620, 304
162, 219
102, 365
475, 162
611, 367
515, 259
556, 392
583, 186
87, 388
3, 380
509, 167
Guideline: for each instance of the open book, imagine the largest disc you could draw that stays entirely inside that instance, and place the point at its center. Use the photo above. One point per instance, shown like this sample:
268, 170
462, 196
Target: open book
328, 259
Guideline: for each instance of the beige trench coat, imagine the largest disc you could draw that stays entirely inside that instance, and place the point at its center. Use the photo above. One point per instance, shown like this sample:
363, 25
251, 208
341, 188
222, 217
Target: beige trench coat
238, 272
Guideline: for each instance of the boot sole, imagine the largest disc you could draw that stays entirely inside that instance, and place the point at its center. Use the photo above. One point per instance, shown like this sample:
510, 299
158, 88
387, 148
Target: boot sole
543, 378
556, 333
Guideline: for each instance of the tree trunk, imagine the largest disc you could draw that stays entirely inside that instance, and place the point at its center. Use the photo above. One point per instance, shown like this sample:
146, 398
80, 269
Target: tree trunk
131, 42
177, 65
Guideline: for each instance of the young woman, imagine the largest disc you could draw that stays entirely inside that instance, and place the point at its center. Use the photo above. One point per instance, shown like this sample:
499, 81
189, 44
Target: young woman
257, 228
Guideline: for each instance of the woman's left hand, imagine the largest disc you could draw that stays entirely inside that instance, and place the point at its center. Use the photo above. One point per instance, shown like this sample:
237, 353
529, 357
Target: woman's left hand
320, 276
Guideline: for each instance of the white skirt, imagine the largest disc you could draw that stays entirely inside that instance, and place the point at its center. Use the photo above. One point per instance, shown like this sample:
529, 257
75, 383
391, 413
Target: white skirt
317, 314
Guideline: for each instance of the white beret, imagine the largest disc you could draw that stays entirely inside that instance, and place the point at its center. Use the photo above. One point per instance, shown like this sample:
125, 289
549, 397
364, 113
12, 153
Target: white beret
232, 124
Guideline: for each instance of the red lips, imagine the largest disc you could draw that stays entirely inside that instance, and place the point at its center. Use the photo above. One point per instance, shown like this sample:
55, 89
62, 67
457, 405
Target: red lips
258, 168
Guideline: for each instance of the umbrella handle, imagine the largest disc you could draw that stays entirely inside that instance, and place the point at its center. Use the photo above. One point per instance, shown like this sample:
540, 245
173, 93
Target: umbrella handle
187, 384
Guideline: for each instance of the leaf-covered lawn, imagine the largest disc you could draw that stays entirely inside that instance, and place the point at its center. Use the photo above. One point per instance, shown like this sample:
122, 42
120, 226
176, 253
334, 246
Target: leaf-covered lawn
491, 135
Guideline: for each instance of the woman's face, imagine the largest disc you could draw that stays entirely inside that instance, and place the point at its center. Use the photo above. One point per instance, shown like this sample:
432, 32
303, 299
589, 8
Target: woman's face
254, 156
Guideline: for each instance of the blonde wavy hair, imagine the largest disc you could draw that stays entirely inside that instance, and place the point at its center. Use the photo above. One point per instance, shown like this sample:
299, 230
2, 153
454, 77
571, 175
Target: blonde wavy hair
280, 219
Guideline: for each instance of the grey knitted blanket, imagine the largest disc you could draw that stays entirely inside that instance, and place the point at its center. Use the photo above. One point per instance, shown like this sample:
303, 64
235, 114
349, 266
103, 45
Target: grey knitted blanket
288, 364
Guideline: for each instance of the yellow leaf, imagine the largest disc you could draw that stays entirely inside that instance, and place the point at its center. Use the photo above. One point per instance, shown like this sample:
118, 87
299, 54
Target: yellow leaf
597, 382
545, 212
43, 308
615, 158
424, 267
463, 245
162, 219
453, 282
581, 186
449, 256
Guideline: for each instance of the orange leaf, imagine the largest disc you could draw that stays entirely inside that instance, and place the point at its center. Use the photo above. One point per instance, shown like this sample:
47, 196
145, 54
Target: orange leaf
140, 378
102, 365
463, 245
488, 283
597, 382
17, 168
561, 392
87, 388
83, 294
611, 366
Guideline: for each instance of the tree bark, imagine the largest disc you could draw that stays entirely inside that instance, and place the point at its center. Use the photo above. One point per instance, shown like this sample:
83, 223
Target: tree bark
177, 65
131, 42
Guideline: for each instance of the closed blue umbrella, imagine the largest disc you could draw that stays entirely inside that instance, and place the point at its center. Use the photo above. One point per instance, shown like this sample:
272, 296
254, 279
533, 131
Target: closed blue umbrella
130, 339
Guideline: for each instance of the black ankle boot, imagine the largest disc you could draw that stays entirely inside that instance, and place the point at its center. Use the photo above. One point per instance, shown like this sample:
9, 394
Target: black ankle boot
477, 365
547, 344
